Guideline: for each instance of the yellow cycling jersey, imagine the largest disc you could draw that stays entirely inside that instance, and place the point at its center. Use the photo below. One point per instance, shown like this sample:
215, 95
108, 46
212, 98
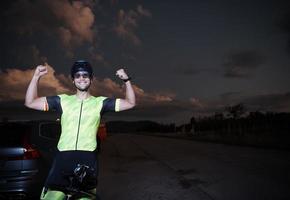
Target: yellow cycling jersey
80, 119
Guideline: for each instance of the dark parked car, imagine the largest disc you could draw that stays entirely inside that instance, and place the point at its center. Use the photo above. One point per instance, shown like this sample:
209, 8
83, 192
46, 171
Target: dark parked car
26, 153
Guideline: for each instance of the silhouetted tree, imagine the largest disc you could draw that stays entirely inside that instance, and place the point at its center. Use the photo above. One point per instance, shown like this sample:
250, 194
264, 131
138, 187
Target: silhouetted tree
218, 116
235, 111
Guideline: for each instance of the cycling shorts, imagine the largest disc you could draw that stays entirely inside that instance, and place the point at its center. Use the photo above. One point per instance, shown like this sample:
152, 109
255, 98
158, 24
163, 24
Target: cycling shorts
64, 164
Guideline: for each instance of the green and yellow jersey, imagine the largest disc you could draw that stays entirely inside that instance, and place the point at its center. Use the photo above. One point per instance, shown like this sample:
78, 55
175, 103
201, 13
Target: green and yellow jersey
80, 119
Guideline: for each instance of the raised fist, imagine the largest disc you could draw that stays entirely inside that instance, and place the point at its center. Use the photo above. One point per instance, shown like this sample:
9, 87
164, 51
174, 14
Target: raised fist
122, 74
41, 70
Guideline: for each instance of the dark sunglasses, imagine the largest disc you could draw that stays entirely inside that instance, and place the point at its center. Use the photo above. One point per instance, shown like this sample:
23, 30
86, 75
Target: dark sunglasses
84, 75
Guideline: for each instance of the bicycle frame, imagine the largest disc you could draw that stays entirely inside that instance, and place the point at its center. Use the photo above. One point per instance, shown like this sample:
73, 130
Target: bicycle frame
83, 174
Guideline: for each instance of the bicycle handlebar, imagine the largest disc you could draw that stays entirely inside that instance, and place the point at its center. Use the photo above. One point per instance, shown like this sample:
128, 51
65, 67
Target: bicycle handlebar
82, 179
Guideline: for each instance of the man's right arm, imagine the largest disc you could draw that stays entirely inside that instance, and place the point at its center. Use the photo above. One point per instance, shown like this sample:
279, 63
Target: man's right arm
31, 98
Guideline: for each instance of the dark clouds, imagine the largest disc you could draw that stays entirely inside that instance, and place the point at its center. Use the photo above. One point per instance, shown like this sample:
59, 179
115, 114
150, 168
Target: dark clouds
175, 111
179, 111
276, 102
187, 69
231, 97
70, 22
242, 64
269, 102
284, 25
63, 27
166, 46
127, 23
14, 83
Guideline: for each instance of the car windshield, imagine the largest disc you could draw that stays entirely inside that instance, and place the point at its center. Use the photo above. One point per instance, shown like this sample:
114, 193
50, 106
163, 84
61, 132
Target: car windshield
12, 134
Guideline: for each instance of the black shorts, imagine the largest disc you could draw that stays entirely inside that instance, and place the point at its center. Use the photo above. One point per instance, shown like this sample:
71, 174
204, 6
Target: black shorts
64, 164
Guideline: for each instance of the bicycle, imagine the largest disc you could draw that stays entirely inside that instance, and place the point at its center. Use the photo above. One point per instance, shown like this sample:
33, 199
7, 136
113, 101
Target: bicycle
83, 177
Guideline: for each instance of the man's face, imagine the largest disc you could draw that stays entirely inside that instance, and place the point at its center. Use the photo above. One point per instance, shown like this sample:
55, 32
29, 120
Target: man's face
82, 80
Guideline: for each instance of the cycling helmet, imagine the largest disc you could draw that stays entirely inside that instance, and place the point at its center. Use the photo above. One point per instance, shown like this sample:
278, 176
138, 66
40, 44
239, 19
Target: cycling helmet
81, 65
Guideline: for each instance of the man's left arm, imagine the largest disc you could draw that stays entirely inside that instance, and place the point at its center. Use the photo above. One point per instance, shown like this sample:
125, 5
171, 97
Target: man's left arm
130, 100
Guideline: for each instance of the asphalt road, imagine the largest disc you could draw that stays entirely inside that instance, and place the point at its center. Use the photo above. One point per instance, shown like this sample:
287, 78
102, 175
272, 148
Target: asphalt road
135, 167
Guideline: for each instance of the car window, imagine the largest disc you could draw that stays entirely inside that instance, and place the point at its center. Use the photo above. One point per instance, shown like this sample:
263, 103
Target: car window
12, 134
50, 130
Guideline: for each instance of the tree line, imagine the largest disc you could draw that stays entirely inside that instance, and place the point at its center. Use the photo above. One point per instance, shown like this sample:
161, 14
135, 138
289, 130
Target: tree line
236, 120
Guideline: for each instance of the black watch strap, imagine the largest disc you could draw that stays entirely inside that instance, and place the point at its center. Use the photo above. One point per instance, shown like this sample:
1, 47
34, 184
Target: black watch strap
127, 79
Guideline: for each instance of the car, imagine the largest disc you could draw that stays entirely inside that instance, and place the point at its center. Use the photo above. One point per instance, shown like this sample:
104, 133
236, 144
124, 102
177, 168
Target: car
27, 149
26, 153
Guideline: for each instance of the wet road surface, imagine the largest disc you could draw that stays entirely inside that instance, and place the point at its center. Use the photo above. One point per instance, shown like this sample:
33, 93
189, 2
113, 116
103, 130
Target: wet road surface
135, 167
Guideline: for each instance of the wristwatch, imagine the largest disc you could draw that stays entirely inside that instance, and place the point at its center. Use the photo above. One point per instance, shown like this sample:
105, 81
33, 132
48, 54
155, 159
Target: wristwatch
127, 79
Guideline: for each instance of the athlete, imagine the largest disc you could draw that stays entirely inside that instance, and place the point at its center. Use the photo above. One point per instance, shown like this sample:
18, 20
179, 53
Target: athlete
80, 119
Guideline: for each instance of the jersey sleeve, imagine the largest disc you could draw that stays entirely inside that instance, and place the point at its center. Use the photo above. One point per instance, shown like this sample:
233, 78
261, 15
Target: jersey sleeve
110, 105
54, 103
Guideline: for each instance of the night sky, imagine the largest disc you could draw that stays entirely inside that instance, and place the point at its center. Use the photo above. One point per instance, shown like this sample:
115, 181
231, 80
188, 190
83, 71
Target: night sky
187, 58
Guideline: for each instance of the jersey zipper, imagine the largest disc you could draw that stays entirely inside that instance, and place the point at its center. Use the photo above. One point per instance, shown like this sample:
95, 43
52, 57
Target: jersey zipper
80, 116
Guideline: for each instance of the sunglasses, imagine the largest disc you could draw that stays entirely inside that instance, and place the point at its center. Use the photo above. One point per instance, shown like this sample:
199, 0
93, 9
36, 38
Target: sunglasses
84, 75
